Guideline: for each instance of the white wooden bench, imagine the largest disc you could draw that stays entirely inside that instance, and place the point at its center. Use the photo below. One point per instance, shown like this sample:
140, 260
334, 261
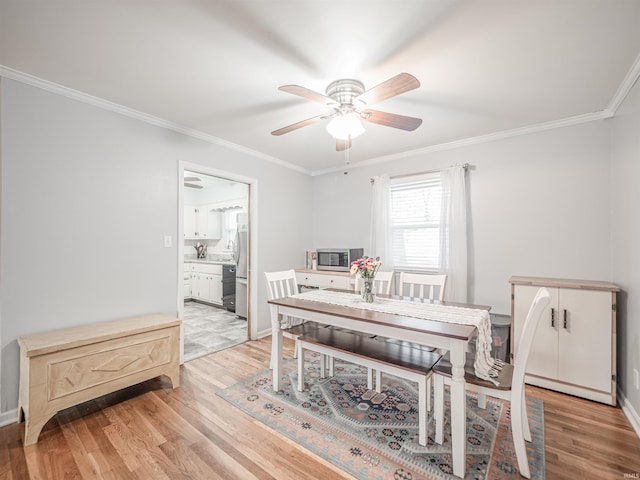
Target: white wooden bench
400, 360
63, 368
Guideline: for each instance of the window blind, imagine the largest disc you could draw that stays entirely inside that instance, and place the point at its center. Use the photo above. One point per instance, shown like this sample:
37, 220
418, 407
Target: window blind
416, 223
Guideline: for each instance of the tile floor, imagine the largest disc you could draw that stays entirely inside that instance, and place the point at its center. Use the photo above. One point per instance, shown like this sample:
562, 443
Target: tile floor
208, 329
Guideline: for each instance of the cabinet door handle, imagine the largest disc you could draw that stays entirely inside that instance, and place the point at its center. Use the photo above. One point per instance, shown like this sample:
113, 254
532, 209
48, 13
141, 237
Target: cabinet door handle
553, 317
565, 319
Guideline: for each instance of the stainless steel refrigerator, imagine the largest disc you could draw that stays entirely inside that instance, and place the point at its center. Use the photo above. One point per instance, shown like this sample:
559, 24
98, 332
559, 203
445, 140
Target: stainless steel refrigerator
241, 255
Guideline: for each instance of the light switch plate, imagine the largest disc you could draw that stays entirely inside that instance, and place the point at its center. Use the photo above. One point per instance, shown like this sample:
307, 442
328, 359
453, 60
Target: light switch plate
168, 241
636, 381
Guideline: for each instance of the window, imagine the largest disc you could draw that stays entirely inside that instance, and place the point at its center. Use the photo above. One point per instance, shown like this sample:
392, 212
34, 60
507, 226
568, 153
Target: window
416, 222
230, 227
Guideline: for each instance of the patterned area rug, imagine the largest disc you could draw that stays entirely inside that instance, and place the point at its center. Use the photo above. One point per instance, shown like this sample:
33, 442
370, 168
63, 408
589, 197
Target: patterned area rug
375, 435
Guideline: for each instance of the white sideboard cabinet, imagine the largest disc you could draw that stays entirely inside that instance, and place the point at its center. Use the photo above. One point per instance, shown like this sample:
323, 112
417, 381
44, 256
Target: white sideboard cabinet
574, 348
324, 279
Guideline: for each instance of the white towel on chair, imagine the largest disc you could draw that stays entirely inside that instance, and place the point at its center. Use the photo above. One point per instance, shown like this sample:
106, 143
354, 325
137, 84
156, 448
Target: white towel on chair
287, 321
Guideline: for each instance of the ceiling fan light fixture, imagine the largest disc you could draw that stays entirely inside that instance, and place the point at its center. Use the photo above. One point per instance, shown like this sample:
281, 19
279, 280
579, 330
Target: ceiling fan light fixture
345, 126
348, 98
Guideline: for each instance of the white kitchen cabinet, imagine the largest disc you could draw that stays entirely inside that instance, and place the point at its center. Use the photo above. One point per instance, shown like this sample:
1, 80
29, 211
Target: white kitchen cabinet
200, 286
214, 224
195, 222
215, 289
202, 223
186, 285
206, 282
189, 221
574, 348
324, 279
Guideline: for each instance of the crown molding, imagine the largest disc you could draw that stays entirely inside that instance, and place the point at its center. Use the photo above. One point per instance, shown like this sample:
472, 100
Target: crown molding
48, 86
465, 142
609, 112
625, 87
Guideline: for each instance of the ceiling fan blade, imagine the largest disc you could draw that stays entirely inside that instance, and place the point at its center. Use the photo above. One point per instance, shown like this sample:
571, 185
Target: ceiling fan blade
192, 185
308, 94
343, 144
391, 120
401, 83
297, 125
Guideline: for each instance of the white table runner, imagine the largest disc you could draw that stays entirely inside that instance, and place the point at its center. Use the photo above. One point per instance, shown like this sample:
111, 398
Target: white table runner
485, 366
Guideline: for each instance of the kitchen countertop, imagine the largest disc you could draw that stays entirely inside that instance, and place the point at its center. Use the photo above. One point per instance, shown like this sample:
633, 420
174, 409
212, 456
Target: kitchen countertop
209, 261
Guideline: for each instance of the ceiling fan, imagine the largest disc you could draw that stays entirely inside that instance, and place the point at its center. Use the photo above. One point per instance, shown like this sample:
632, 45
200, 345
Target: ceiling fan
349, 101
188, 182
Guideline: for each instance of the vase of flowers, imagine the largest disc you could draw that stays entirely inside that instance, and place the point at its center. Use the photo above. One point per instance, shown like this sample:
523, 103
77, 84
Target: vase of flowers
366, 268
368, 290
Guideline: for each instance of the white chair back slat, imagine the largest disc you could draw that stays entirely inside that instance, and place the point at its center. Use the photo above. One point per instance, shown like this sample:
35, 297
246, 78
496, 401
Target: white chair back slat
281, 284
383, 282
422, 286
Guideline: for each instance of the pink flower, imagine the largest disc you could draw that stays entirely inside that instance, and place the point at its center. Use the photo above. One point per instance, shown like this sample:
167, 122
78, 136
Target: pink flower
367, 267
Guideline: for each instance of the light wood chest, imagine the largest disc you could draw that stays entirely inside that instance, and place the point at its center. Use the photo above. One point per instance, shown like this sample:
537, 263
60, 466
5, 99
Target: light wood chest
66, 367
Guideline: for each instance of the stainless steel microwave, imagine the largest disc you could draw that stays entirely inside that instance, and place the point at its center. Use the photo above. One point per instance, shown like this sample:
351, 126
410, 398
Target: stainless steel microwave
338, 259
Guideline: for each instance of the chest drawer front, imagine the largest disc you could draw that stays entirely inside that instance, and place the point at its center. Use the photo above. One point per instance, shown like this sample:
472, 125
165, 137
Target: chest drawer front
87, 367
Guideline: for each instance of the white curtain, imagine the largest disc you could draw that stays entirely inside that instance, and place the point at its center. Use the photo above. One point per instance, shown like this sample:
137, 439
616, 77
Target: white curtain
380, 238
454, 233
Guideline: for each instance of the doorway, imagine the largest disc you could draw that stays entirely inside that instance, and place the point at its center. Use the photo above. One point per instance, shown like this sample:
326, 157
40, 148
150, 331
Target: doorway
215, 253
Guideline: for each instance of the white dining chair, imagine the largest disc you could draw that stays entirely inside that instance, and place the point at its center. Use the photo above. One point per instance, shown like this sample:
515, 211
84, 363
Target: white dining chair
510, 387
383, 282
422, 286
419, 286
284, 284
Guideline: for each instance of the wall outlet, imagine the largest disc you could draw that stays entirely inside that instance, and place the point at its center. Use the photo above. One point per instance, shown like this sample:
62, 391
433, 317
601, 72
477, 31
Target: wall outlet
168, 241
636, 379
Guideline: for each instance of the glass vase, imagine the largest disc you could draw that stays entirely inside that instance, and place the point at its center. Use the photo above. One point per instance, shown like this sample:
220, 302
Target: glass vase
368, 290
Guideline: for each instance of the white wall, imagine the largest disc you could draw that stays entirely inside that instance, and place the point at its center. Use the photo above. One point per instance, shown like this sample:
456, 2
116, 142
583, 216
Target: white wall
539, 205
87, 197
625, 234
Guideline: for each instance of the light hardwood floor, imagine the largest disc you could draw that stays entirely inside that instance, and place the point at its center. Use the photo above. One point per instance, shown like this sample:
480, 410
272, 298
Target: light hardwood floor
151, 431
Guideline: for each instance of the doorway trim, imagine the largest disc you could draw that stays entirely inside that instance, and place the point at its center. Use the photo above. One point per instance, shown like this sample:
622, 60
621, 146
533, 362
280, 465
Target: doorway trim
253, 240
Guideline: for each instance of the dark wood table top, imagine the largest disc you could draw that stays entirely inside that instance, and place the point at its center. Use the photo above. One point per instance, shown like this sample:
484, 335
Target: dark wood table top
451, 330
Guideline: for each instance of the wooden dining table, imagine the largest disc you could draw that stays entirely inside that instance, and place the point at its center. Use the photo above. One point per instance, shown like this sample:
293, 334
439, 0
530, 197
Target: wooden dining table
452, 337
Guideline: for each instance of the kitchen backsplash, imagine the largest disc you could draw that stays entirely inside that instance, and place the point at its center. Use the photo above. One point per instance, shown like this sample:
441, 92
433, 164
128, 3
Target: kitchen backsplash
213, 254
213, 247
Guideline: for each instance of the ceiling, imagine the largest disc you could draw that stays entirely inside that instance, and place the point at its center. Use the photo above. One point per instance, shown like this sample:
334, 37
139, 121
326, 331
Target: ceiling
213, 68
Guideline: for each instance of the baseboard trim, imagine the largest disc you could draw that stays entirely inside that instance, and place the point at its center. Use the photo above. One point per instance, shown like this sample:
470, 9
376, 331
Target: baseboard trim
262, 334
629, 412
8, 417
